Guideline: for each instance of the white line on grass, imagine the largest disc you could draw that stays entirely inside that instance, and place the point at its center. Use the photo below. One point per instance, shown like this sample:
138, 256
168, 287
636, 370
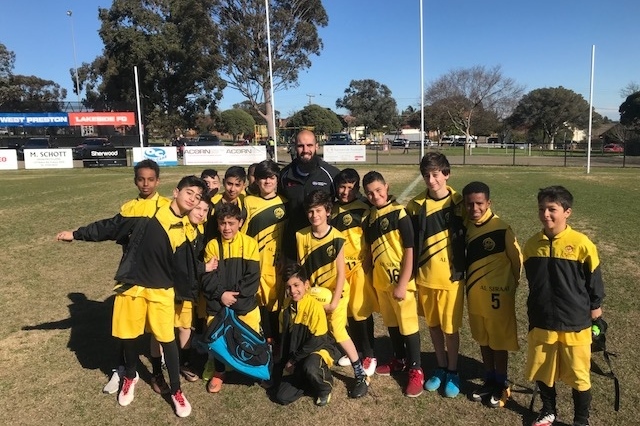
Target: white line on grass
403, 198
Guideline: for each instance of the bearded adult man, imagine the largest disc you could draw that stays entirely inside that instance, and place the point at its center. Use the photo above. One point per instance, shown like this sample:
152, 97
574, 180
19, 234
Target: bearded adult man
307, 172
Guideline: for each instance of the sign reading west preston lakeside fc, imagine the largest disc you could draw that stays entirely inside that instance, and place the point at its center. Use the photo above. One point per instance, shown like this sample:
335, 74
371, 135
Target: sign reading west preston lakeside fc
164, 156
33, 119
107, 118
223, 155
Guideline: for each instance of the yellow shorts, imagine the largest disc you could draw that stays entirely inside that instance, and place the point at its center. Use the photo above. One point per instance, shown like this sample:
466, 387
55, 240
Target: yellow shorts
338, 320
500, 334
362, 297
403, 314
139, 307
252, 319
184, 314
442, 308
268, 292
557, 355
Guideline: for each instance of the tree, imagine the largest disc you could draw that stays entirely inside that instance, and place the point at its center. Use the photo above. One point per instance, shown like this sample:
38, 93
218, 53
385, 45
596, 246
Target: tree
370, 103
628, 90
462, 93
173, 44
323, 120
237, 122
26, 92
243, 40
630, 111
551, 110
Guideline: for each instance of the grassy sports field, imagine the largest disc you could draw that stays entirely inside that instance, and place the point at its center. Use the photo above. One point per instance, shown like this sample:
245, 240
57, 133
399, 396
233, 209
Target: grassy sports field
57, 298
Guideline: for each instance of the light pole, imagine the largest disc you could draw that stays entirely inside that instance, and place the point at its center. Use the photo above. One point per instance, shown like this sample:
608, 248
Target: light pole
75, 61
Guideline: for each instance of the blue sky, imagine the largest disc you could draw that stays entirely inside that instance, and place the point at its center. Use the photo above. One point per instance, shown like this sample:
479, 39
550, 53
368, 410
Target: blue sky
543, 43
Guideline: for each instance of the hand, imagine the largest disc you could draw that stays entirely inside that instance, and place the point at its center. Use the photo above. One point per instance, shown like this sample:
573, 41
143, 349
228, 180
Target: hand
211, 265
288, 369
399, 293
329, 308
596, 313
66, 236
228, 298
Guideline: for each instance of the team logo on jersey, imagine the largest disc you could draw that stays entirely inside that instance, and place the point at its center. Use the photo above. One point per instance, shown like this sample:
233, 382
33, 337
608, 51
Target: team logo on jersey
347, 220
384, 224
278, 212
488, 244
331, 252
568, 250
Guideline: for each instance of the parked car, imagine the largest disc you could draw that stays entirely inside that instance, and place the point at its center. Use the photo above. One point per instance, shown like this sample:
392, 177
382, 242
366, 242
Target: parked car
34, 143
463, 142
207, 139
399, 142
340, 139
613, 147
80, 151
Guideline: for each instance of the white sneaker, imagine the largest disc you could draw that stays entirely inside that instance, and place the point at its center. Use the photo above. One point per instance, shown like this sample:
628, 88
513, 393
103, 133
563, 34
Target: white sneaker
180, 403
344, 361
125, 397
113, 384
369, 365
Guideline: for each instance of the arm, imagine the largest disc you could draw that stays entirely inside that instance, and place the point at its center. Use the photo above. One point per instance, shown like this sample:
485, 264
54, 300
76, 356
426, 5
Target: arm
337, 293
514, 254
594, 283
113, 228
406, 269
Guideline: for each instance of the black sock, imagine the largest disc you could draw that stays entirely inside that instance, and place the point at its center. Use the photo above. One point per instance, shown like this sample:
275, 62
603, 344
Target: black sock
358, 369
131, 357
412, 343
172, 362
184, 356
548, 397
156, 365
581, 405
397, 342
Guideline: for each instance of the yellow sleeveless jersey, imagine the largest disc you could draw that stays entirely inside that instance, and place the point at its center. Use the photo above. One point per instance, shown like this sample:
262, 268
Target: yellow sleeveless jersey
266, 219
434, 266
388, 232
318, 256
348, 219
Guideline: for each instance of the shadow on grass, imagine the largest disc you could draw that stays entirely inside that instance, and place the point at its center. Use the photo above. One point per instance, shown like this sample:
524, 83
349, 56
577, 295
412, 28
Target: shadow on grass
90, 338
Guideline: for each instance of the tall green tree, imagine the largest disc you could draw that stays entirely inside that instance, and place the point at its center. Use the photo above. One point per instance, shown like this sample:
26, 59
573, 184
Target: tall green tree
551, 110
174, 45
26, 92
243, 39
323, 120
370, 103
237, 122
462, 93
630, 111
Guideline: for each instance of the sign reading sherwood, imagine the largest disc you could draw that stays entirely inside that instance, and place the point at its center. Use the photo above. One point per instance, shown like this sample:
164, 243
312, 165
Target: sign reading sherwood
102, 119
224, 155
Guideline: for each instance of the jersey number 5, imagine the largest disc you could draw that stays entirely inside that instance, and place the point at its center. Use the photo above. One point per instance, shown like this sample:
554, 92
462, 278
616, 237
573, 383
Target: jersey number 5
495, 300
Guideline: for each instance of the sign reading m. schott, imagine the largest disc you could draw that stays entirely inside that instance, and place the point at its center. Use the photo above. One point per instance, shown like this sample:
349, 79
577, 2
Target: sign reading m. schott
105, 157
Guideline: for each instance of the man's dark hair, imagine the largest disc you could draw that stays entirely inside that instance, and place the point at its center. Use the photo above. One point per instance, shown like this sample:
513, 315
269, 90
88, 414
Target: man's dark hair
316, 198
265, 169
347, 176
146, 164
237, 172
192, 180
225, 210
476, 187
434, 161
556, 194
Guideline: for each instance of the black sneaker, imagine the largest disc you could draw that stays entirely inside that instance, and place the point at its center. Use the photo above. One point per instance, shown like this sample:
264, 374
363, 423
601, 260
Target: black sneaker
323, 400
500, 396
485, 390
360, 388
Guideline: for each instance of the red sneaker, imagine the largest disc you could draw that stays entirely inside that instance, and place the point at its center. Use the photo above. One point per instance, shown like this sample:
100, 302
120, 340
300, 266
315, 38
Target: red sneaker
416, 381
393, 366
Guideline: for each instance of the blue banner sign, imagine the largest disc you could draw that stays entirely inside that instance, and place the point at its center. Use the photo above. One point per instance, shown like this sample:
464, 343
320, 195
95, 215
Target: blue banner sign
33, 119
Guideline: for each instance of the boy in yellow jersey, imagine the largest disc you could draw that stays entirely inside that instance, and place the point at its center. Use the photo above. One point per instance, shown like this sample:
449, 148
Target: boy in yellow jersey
184, 318
494, 263
389, 233
347, 216
156, 253
565, 296
239, 256
266, 219
307, 347
320, 250
211, 178
437, 215
234, 183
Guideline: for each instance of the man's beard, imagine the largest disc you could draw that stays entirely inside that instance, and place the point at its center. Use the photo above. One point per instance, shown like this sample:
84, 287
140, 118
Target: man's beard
307, 166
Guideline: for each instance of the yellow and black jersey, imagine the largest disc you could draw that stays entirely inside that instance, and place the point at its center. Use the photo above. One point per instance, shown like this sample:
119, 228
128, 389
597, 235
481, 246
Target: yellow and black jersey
239, 267
211, 225
565, 281
305, 330
318, 256
388, 232
348, 218
156, 199
494, 264
266, 220
439, 230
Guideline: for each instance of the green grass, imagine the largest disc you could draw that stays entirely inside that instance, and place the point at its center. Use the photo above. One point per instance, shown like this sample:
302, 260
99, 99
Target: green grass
54, 374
